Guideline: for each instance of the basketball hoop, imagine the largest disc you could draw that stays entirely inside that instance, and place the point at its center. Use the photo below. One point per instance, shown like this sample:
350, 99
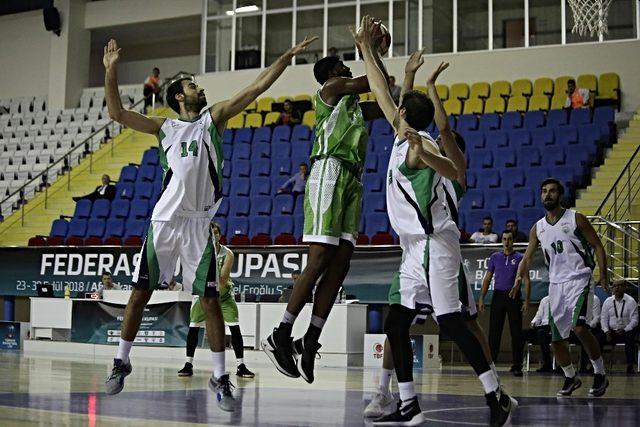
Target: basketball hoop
590, 16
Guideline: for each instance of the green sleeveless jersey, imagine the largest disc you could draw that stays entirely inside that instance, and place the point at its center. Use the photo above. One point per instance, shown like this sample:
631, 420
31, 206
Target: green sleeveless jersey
225, 293
340, 131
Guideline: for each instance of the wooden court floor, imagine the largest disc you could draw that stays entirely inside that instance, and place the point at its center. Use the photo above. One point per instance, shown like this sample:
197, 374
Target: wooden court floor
53, 391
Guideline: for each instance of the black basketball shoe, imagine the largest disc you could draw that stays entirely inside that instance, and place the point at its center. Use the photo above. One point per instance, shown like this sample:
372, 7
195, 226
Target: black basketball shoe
408, 414
570, 385
243, 372
501, 406
187, 371
279, 348
307, 349
600, 384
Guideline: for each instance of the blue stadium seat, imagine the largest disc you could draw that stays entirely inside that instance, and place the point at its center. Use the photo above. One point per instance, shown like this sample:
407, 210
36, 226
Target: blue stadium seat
128, 174
241, 152
472, 199
260, 205
243, 135
260, 225
361, 226
146, 173
522, 198
371, 163
380, 127
260, 186
589, 134
529, 216
227, 136
298, 206
382, 144
281, 134
467, 122
533, 119
240, 187
556, 118
519, 138
553, 155
474, 140
144, 190
528, 156
300, 149
301, 132
114, 228
125, 190
277, 182
77, 228
227, 152
95, 228
488, 178
377, 222
543, 136
59, 228
223, 209
237, 226
241, 168
135, 227
496, 139
564, 174
260, 150
501, 216
139, 209
472, 180
83, 209
151, 157
281, 224
505, 157
452, 122
298, 225
261, 134
383, 163
535, 176
515, 177
101, 208
226, 170
473, 219
372, 183
496, 198
604, 115
511, 120
261, 168
567, 135
280, 166
281, 150
489, 121
239, 206
580, 116
226, 188
480, 159
283, 204
375, 203
120, 208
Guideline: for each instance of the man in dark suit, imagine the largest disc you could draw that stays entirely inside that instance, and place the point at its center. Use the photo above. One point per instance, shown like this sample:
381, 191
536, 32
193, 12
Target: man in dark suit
104, 191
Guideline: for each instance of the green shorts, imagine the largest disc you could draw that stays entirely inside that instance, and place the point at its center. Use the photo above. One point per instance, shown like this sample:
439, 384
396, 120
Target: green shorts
332, 203
229, 312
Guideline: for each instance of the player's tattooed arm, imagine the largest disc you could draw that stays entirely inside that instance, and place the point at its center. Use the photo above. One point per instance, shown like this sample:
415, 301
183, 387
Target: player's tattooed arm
410, 69
223, 111
117, 112
590, 234
523, 268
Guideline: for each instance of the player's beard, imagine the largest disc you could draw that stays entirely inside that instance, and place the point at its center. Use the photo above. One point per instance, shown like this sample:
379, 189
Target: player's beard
195, 103
550, 205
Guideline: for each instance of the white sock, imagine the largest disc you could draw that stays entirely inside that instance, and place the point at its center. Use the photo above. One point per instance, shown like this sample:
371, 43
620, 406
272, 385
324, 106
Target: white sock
385, 380
239, 361
406, 390
489, 381
598, 366
124, 348
318, 322
218, 363
570, 371
288, 317
190, 360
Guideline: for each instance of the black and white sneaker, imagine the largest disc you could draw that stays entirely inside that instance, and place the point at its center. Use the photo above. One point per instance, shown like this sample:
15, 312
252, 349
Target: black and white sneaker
279, 349
408, 414
501, 406
305, 363
243, 372
570, 385
187, 371
600, 384
115, 381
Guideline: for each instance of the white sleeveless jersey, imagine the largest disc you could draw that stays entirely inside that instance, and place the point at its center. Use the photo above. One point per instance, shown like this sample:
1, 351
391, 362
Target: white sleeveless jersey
416, 198
191, 158
566, 251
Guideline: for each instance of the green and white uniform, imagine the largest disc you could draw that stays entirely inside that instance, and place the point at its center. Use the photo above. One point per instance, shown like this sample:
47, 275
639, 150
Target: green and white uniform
571, 262
227, 299
420, 213
191, 159
333, 196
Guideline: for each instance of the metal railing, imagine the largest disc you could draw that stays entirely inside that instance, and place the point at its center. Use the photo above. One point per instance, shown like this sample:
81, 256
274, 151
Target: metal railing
621, 240
623, 192
41, 180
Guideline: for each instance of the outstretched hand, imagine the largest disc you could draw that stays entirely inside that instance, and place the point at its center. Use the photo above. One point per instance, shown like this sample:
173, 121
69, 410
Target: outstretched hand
302, 46
415, 61
414, 138
434, 76
111, 54
365, 35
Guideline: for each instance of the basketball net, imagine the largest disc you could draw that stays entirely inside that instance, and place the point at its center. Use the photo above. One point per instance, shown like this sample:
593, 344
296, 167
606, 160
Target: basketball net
590, 16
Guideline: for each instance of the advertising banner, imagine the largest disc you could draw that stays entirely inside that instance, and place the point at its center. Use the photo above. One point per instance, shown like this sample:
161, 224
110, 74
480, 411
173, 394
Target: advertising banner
9, 335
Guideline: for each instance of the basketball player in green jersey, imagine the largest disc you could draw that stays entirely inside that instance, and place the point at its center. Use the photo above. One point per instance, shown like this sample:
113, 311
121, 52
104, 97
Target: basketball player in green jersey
192, 161
332, 207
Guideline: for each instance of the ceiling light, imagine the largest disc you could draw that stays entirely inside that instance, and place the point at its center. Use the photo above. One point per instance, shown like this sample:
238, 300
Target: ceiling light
243, 9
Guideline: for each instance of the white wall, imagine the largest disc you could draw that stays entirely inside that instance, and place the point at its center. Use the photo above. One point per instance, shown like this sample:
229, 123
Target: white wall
108, 13
504, 64
24, 45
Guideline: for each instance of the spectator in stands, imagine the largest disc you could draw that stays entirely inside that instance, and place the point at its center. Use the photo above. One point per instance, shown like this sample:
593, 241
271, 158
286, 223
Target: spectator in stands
486, 235
289, 116
619, 321
152, 86
286, 294
576, 97
540, 333
394, 89
506, 300
295, 185
107, 284
518, 236
333, 51
104, 191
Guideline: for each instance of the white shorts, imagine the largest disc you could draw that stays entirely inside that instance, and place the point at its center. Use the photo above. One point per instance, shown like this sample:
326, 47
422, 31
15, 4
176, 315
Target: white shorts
186, 239
569, 305
428, 275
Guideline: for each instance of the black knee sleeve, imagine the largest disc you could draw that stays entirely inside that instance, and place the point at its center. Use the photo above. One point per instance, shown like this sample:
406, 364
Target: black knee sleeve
192, 341
396, 327
236, 341
453, 325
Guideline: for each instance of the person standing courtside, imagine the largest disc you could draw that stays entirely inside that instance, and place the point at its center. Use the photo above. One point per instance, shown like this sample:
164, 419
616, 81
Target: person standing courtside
506, 300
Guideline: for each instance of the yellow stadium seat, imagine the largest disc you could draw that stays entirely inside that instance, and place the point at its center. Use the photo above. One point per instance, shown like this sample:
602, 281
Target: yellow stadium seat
452, 107
558, 101
501, 88
420, 88
521, 87
236, 122
480, 90
473, 106
517, 103
271, 118
609, 87
372, 96
251, 107
539, 102
443, 92
543, 86
561, 86
302, 97
588, 81
364, 97
309, 118
495, 104
284, 98
253, 120
459, 91
264, 104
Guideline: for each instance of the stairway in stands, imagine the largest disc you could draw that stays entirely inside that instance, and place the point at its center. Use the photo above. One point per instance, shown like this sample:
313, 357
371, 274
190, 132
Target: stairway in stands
127, 148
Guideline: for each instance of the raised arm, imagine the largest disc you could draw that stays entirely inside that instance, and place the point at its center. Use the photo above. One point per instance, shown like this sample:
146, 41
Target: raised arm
410, 69
132, 119
590, 234
523, 268
225, 272
425, 151
223, 111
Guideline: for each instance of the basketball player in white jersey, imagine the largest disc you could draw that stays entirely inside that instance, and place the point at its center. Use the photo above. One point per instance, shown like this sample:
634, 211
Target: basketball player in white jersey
428, 278
191, 158
568, 242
